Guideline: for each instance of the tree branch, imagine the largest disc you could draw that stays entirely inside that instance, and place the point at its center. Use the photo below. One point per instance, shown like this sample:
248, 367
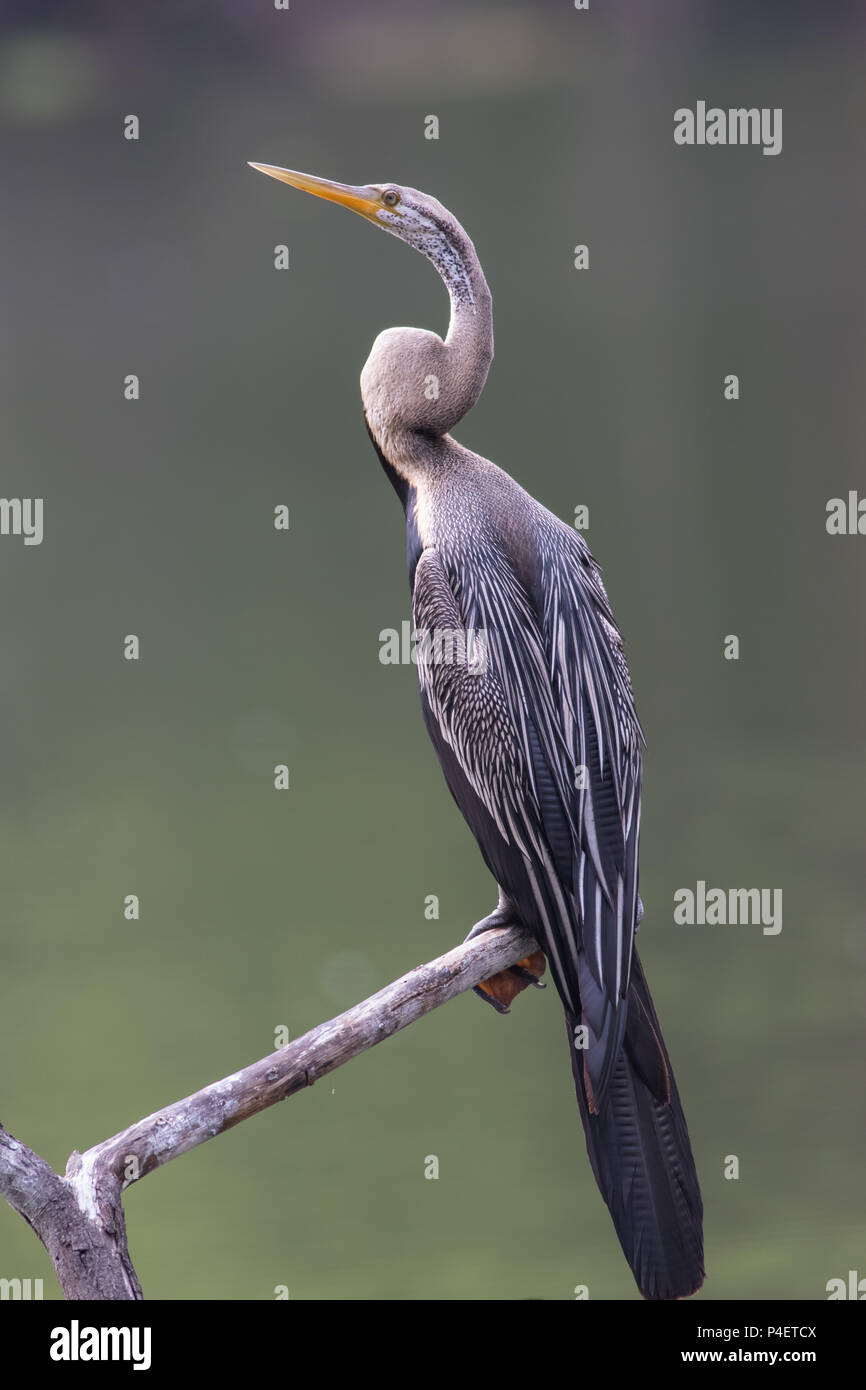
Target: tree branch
79, 1218
89, 1254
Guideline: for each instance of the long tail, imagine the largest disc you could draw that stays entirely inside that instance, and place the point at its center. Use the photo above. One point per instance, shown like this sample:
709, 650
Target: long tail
641, 1156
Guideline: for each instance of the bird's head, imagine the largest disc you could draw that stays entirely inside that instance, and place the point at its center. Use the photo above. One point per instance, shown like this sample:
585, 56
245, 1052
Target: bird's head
414, 217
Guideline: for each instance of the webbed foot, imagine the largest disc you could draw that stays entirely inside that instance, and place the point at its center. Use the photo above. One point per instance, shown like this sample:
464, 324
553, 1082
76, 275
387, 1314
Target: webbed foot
501, 988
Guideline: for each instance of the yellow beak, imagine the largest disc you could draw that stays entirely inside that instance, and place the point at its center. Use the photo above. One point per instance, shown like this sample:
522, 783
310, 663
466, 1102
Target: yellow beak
365, 200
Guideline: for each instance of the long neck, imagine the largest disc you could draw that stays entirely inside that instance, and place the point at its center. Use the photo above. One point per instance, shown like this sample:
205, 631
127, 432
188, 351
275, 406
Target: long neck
469, 342
416, 383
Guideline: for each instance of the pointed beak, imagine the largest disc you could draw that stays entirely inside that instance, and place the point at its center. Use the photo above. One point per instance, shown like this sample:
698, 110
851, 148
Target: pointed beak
365, 200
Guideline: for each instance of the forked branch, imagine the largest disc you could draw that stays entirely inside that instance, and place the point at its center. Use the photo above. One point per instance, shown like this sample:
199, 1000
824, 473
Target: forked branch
79, 1218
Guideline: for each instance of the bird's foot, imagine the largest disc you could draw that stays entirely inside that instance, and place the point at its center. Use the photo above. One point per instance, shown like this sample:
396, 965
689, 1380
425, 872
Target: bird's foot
501, 988
504, 914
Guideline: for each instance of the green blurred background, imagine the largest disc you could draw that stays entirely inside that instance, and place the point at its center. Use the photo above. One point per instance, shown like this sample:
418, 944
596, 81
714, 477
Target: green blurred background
261, 908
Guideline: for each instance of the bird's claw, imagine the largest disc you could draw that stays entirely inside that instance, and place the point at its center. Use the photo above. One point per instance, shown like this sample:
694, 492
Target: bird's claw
523, 974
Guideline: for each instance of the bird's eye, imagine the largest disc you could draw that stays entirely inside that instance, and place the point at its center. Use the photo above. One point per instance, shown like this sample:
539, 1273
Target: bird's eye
390, 197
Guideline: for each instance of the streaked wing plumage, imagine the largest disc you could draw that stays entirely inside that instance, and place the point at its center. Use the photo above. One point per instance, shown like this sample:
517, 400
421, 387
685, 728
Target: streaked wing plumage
553, 698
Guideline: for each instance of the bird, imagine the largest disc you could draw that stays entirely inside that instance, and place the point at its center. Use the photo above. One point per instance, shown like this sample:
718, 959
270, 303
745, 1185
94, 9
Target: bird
536, 732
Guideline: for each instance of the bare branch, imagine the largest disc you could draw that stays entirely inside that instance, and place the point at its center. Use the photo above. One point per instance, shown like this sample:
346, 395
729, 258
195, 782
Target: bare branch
79, 1218
89, 1254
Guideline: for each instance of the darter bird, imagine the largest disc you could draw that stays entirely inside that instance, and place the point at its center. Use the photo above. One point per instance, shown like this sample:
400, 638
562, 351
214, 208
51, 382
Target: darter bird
539, 740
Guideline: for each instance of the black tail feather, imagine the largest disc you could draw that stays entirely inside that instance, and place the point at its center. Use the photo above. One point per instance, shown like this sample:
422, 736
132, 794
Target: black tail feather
641, 1156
